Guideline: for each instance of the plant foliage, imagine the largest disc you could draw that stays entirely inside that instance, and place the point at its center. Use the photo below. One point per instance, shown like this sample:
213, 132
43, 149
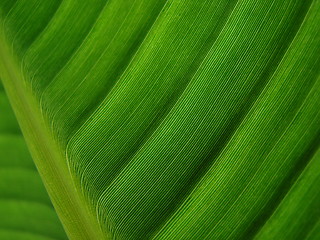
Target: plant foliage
170, 119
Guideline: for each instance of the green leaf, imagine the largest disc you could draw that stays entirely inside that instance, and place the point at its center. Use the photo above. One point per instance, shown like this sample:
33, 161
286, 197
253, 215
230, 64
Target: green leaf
25, 209
170, 119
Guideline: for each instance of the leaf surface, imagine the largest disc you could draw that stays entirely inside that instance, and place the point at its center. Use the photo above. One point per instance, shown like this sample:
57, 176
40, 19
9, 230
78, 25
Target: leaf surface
169, 119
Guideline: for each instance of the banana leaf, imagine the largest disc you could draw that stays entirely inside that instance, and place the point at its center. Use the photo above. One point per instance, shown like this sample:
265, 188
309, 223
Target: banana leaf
177, 119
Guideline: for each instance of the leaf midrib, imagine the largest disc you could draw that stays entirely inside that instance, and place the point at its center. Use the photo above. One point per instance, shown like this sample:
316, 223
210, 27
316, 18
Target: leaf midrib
79, 221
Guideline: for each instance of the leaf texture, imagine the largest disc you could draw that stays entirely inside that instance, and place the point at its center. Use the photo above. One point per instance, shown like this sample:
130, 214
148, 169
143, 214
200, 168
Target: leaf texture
170, 119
